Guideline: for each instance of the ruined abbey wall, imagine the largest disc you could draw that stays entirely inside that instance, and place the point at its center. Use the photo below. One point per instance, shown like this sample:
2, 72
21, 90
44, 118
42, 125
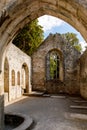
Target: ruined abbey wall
68, 81
17, 73
19, 12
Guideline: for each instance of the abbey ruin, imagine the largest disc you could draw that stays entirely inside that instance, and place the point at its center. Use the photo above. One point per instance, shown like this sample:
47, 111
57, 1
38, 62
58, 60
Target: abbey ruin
14, 14
65, 77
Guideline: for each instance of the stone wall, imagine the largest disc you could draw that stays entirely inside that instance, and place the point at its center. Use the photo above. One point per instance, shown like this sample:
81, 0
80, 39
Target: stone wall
83, 75
69, 79
17, 68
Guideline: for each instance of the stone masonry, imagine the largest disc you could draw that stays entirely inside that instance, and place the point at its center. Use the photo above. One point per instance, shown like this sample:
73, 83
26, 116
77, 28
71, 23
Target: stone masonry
83, 75
17, 73
14, 14
68, 80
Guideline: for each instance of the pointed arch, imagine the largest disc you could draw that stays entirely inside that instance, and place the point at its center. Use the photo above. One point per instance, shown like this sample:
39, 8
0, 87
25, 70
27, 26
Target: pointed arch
25, 78
73, 12
54, 65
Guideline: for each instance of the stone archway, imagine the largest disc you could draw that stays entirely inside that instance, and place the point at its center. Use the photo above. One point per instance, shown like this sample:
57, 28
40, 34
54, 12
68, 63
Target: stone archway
15, 14
25, 78
73, 12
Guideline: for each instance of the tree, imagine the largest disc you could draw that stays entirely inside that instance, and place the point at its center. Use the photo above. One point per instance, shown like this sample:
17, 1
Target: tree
30, 37
73, 40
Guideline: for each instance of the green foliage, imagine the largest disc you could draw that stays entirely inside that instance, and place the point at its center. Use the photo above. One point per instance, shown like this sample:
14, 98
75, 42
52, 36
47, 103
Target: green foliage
54, 66
73, 40
78, 47
30, 37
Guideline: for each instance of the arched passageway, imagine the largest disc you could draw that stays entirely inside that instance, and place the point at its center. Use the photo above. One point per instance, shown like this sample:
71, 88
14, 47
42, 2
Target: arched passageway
73, 12
16, 14
25, 78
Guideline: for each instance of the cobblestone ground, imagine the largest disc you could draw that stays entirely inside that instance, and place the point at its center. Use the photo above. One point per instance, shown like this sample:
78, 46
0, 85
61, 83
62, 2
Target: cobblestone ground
50, 113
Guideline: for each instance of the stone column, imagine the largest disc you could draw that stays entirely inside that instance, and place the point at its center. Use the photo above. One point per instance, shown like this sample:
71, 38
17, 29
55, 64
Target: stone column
1, 102
1, 112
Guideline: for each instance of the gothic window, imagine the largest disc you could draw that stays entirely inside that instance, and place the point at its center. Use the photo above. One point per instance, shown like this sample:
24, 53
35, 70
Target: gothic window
13, 78
53, 66
18, 78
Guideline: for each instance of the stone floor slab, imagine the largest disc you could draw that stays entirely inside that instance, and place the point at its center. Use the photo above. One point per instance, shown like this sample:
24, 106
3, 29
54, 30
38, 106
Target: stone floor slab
49, 113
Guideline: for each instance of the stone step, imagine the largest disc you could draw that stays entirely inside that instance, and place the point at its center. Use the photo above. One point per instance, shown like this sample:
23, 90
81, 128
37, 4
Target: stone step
78, 107
34, 93
80, 101
46, 95
75, 116
58, 96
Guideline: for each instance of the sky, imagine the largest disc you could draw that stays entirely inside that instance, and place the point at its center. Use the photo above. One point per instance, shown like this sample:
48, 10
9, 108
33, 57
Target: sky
54, 25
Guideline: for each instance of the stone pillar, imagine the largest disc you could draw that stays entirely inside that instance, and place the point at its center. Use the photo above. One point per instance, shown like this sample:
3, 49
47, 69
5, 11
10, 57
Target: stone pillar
1, 112
1, 103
